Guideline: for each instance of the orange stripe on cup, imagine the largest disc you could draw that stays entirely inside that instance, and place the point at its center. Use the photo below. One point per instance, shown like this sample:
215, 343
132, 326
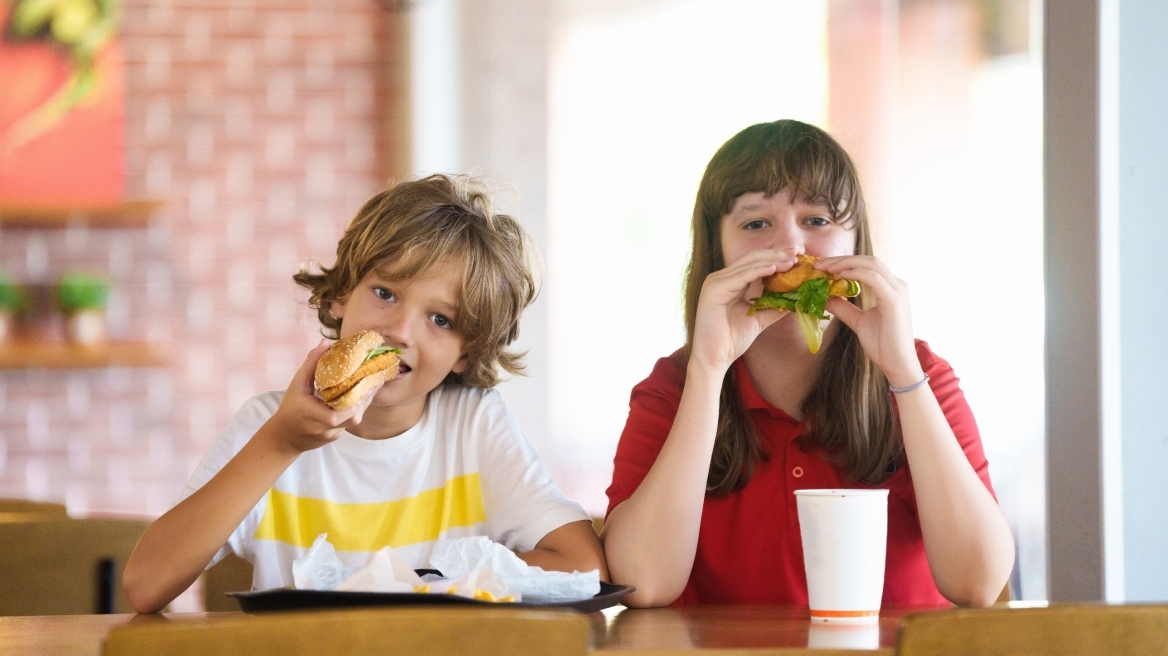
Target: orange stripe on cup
844, 613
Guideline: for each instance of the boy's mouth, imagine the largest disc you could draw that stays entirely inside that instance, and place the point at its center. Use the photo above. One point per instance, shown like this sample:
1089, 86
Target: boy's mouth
402, 369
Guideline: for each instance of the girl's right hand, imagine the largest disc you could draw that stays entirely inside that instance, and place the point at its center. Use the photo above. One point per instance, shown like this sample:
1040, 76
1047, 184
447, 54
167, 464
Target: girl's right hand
723, 330
304, 422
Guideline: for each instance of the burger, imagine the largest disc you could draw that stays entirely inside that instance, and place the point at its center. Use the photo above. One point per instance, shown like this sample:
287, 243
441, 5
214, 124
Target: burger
804, 290
352, 366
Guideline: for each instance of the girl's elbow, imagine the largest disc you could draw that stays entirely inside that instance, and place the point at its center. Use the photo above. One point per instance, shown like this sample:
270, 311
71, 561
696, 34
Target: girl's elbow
649, 592
980, 592
983, 599
649, 597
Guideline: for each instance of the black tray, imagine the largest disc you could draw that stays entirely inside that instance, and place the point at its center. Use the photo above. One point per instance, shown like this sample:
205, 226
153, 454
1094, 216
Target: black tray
292, 599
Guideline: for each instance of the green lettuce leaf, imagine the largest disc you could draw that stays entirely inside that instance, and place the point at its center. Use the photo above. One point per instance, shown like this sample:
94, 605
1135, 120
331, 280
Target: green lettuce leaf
813, 297
379, 350
812, 330
808, 302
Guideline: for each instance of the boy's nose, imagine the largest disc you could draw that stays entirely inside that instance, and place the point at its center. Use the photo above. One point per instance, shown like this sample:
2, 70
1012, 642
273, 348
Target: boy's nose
397, 330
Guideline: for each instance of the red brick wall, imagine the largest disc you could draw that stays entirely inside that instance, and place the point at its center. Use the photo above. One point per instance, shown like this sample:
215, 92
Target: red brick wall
263, 126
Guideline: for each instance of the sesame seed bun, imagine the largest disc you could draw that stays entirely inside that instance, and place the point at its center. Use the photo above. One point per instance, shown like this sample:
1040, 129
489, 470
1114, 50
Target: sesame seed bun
344, 357
344, 376
383, 362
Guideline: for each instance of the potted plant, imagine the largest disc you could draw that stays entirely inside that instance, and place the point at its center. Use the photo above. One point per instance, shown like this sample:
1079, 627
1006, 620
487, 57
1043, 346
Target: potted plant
83, 298
12, 301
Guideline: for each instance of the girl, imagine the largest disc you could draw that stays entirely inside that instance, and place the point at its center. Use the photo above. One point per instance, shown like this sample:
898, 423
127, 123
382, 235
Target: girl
702, 505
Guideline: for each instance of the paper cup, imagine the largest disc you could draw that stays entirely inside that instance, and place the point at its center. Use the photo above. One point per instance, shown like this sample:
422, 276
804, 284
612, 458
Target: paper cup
845, 534
821, 635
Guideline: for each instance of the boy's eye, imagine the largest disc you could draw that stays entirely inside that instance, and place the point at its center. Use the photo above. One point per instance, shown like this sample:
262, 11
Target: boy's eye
818, 221
441, 321
757, 224
383, 293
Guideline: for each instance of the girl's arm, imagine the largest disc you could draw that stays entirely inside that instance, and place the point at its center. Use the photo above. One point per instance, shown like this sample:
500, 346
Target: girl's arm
651, 538
177, 546
967, 540
572, 547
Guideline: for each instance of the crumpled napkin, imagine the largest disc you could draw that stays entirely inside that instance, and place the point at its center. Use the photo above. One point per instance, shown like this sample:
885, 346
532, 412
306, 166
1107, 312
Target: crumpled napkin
320, 568
385, 572
458, 558
476, 568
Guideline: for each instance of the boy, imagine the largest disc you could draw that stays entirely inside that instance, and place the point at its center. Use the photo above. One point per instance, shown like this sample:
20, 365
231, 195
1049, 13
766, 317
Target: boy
430, 454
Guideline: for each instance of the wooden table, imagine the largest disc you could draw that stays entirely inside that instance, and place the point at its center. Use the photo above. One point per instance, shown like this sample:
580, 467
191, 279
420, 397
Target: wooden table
712, 630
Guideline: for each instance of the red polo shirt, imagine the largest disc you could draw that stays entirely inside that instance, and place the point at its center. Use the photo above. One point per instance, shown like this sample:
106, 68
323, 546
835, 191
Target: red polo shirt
749, 548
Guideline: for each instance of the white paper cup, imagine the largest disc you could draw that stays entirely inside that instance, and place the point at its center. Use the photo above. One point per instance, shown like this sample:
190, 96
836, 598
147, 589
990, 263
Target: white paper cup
845, 534
821, 635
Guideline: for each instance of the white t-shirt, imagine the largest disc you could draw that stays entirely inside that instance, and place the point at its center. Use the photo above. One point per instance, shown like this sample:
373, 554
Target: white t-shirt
464, 470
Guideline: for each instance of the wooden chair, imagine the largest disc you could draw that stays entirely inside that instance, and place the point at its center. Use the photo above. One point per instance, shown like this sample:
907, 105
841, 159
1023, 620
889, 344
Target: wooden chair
17, 509
232, 574
428, 630
54, 566
1060, 630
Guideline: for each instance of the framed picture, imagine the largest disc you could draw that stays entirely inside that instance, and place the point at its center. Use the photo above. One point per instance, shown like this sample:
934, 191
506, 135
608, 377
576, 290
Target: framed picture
62, 104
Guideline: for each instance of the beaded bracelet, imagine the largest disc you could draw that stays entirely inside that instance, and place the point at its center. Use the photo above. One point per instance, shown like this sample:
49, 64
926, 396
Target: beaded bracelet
902, 390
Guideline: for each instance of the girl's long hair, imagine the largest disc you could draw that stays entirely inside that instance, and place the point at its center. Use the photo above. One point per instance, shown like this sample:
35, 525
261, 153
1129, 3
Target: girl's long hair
849, 415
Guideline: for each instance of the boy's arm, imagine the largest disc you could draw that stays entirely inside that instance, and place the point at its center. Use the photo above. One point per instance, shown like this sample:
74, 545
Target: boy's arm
571, 547
175, 549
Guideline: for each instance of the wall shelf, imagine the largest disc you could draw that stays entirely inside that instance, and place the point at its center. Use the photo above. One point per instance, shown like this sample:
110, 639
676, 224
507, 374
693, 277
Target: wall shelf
127, 214
28, 354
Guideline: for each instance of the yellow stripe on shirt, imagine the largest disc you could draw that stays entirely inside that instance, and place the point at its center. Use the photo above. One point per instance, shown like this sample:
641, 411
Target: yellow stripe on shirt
371, 526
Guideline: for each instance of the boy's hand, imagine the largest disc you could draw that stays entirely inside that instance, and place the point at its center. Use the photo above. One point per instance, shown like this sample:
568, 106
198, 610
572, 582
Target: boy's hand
303, 422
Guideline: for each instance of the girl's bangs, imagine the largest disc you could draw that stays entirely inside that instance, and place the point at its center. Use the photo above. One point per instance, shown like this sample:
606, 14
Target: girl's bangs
814, 170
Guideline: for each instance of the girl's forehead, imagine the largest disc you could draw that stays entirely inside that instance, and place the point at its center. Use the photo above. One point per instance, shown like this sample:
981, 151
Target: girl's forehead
759, 200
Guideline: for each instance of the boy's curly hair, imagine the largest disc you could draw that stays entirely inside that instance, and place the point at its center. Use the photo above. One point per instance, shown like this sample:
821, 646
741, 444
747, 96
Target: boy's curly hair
408, 228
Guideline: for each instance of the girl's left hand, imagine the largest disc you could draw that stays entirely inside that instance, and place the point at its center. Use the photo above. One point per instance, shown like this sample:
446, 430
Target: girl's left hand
885, 331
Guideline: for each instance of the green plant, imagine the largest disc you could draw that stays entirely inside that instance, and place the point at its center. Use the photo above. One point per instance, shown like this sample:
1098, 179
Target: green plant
12, 298
81, 291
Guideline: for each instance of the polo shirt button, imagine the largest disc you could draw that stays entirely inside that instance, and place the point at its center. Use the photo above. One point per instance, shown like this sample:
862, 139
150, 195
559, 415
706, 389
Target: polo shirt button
797, 472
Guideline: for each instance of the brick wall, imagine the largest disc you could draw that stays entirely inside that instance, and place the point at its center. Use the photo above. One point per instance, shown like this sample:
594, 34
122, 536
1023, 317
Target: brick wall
263, 125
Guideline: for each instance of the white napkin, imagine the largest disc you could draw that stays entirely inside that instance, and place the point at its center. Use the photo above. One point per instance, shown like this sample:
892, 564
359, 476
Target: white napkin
476, 568
385, 572
458, 558
319, 569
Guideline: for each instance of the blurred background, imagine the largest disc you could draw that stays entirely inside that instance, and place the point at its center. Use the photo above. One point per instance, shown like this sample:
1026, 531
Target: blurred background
196, 154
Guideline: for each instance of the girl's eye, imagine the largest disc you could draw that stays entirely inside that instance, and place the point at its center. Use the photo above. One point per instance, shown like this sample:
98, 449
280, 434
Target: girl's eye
441, 321
757, 224
383, 293
818, 221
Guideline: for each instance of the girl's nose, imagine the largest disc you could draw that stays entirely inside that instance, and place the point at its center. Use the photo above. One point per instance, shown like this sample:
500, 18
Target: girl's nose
787, 238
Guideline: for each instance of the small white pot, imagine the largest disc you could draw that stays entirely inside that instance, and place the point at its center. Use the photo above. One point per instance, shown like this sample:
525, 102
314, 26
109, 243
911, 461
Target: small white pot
7, 323
86, 327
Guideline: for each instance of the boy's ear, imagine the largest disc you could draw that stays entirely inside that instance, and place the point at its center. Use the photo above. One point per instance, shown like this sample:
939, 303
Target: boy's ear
460, 366
337, 309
